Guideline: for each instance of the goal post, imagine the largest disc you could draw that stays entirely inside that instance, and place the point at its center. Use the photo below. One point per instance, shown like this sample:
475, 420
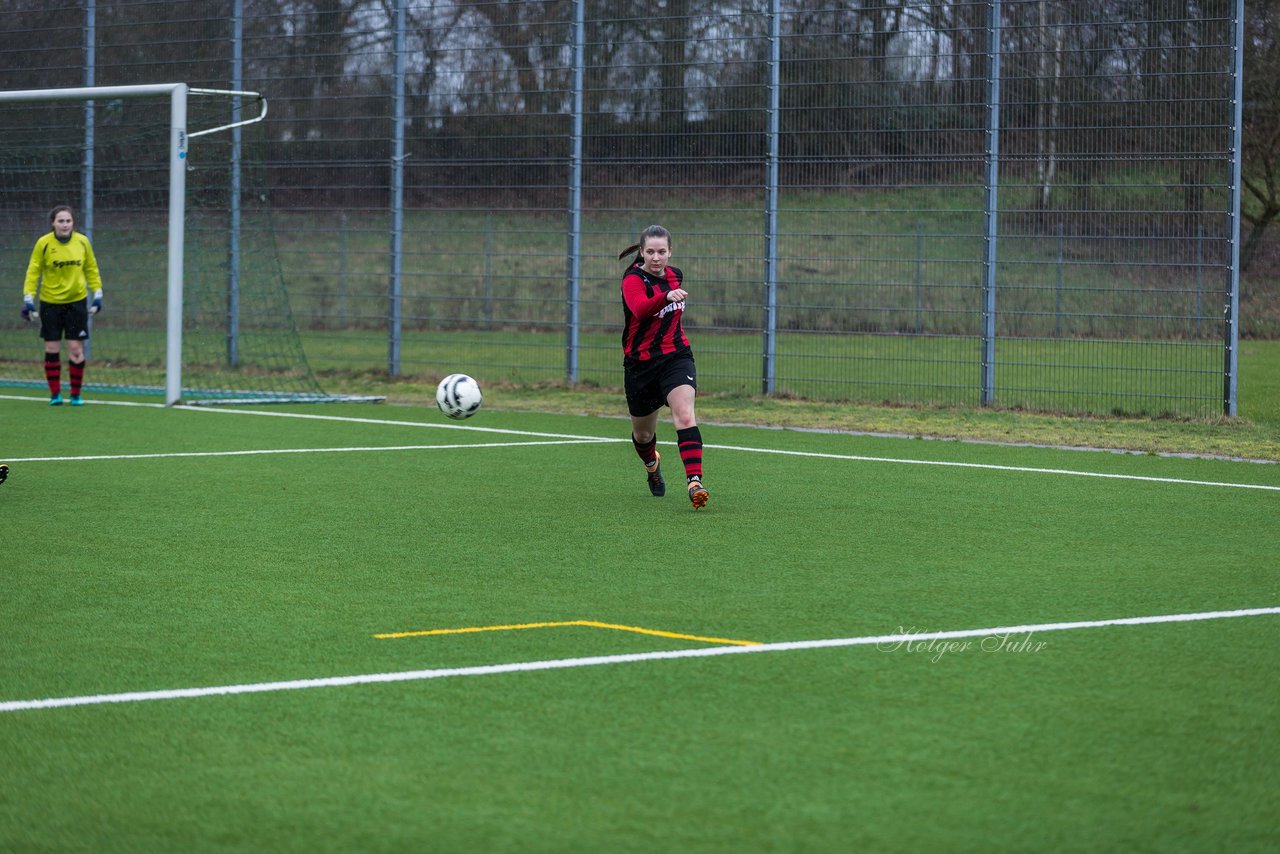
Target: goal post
193, 193
177, 93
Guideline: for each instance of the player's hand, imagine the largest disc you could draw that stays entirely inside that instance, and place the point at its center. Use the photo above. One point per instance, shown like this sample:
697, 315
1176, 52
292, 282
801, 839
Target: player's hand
29, 309
96, 305
677, 295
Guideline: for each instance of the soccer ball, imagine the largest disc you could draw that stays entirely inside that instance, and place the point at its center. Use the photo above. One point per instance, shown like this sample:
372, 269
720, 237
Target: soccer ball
458, 396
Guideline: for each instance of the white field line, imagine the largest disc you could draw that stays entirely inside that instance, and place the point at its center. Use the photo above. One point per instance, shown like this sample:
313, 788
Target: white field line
993, 467
891, 640
574, 438
343, 418
250, 453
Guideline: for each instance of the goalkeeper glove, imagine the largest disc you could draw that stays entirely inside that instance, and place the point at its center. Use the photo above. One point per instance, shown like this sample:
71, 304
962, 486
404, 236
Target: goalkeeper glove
29, 308
96, 306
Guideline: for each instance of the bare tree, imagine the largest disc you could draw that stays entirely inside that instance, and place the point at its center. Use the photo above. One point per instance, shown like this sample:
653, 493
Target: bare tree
1261, 150
1048, 106
529, 34
673, 29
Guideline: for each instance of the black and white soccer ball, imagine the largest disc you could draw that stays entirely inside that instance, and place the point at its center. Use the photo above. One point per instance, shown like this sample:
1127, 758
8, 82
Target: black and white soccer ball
458, 396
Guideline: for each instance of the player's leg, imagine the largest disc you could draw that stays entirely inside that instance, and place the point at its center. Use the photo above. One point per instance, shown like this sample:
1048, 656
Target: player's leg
644, 399
51, 332
75, 368
4, 473
681, 384
644, 438
689, 438
76, 327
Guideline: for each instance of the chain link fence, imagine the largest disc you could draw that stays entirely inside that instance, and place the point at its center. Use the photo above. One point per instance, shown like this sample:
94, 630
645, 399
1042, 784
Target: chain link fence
1027, 203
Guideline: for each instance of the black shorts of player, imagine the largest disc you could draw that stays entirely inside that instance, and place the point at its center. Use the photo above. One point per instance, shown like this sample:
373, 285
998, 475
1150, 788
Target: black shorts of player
69, 318
649, 381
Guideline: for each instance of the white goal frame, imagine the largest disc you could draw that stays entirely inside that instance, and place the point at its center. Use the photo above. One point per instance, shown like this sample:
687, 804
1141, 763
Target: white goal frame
178, 138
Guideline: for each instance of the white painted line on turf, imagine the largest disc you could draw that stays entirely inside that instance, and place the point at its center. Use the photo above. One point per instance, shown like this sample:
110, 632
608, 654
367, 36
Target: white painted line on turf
592, 440
994, 467
87, 402
251, 453
606, 440
593, 661
471, 428
849, 457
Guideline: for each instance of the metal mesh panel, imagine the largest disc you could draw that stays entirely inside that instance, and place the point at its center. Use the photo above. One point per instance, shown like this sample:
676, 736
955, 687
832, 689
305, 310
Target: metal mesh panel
1053, 230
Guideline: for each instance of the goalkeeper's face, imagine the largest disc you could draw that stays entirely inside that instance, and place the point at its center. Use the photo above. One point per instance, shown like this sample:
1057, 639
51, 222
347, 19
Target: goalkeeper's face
63, 223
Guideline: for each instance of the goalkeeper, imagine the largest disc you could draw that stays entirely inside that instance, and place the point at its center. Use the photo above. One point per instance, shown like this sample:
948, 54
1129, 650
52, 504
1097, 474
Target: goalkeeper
63, 271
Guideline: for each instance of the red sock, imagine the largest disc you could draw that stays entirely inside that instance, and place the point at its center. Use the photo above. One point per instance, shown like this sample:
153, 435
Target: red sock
53, 373
690, 439
76, 370
648, 452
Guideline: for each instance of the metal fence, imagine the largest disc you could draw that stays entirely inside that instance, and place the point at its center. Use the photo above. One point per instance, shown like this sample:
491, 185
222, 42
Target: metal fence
1027, 203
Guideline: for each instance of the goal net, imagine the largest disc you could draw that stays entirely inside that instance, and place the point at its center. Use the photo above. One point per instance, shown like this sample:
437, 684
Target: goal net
171, 191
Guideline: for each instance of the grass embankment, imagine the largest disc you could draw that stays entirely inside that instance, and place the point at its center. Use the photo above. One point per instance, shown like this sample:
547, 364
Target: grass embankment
1253, 435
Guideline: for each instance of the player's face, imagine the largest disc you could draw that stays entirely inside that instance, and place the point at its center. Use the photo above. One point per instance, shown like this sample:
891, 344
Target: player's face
63, 223
655, 254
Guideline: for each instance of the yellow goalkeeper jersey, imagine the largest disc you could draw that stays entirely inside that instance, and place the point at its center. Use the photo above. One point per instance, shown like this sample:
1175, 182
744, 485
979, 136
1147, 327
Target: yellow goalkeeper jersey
68, 269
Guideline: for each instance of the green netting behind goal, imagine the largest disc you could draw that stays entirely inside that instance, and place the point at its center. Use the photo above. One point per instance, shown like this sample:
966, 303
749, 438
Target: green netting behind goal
233, 348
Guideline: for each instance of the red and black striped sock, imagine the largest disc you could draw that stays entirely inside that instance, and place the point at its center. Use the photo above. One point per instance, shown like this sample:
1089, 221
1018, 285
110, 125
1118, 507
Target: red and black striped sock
690, 440
76, 370
53, 373
648, 453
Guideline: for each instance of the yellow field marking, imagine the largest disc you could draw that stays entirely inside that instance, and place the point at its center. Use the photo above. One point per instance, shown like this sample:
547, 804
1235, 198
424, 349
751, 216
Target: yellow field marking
589, 623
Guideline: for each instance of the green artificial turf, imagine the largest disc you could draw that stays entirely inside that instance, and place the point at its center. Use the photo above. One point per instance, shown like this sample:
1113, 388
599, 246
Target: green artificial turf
227, 568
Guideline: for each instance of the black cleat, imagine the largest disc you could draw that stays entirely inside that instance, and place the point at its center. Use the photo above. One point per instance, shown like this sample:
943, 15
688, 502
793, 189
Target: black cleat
4, 473
653, 474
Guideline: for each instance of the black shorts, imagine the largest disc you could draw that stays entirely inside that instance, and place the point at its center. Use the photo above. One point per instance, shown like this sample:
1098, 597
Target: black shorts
649, 381
71, 318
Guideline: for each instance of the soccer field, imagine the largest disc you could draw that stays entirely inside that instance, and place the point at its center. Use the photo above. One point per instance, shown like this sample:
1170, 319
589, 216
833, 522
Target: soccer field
346, 627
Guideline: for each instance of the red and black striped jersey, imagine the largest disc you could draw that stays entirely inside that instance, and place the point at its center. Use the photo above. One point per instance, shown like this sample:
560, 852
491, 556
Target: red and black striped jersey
653, 325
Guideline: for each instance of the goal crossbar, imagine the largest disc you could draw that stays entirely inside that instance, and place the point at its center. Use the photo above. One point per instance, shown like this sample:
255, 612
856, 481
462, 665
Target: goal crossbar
178, 138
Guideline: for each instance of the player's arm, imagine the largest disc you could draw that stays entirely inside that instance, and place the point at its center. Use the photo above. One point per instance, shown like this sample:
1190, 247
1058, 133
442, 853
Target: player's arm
638, 301
678, 293
93, 278
32, 281
34, 267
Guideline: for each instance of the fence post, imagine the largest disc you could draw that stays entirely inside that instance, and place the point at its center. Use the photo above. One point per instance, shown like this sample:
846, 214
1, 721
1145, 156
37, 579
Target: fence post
342, 270
1199, 272
395, 298
919, 272
233, 240
573, 286
1232, 307
991, 206
1057, 290
770, 343
487, 285
86, 196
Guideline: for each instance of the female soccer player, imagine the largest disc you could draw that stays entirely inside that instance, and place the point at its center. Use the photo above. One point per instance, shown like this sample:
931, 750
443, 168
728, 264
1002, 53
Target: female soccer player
657, 360
63, 268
